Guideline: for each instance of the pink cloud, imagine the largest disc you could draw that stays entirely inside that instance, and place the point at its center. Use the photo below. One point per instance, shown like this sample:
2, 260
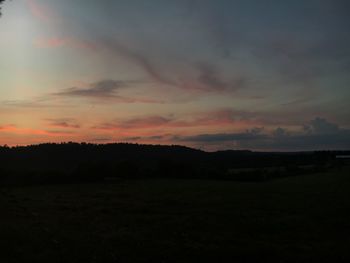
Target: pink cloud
39, 11
57, 42
12, 129
50, 42
136, 123
220, 118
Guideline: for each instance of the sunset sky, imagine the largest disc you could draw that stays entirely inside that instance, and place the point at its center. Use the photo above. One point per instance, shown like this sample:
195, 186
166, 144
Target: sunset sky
224, 74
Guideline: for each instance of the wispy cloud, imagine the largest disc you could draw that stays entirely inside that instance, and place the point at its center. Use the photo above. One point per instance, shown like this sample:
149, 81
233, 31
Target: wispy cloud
57, 42
40, 102
254, 134
207, 119
41, 12
63, 123
101, 89
208, 78
136, 123
138, 58
51, 42
7, 127
104, 91
13, 129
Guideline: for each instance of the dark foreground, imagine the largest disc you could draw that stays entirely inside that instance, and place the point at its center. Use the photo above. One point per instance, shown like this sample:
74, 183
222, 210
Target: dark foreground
293, 219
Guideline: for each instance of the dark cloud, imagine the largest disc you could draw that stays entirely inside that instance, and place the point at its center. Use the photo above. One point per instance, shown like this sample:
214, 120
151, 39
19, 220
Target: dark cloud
64, 123
321, 135
157, 137
280, 133
254, 134
322, 126
100, 140
101, 89
135, 138
300, 142
105, 90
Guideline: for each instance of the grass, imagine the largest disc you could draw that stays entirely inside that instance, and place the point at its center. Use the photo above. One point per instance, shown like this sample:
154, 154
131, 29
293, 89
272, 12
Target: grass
295, 219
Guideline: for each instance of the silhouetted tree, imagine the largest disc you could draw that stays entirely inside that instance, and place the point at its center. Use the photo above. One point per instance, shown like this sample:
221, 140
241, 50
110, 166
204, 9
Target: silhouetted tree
0, 5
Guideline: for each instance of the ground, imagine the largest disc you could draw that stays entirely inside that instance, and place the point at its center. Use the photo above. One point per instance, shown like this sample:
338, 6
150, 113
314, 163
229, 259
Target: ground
295, 219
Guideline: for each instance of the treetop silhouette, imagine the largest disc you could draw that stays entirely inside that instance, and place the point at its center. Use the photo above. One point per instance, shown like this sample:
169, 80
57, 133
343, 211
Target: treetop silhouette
1, 1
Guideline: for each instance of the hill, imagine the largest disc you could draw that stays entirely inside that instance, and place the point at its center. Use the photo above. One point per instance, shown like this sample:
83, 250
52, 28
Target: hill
92, 162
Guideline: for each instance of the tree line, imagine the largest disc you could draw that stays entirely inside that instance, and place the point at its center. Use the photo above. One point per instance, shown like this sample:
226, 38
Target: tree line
76, 162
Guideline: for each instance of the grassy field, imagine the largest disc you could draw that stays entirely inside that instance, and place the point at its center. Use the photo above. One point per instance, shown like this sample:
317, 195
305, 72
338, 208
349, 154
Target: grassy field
295, 219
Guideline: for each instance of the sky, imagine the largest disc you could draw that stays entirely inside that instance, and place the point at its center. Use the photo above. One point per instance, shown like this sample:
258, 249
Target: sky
214, 75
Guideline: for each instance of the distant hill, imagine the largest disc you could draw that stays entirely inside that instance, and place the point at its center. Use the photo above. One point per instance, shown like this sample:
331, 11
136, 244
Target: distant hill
81, 161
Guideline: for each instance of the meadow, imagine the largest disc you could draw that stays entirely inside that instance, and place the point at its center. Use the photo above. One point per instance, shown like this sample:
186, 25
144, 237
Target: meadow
292, 219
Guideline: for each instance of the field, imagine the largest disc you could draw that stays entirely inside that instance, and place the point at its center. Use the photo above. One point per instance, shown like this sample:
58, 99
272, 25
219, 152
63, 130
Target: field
295, 219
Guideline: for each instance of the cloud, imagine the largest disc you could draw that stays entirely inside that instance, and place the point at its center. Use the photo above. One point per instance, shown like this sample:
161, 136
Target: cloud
254, 134
285, 57
128, 139
105, 90
216, 20
210, 80
302, 142
321, 126
13, 129
138, 58
7, 127
64, 123
205, 119
322, 135
40, 11
98, 140
101, 89
51, 42
157, 137
57, 42
280, 133
224, 120
39, 102
136, 123
303, 61
207, 80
